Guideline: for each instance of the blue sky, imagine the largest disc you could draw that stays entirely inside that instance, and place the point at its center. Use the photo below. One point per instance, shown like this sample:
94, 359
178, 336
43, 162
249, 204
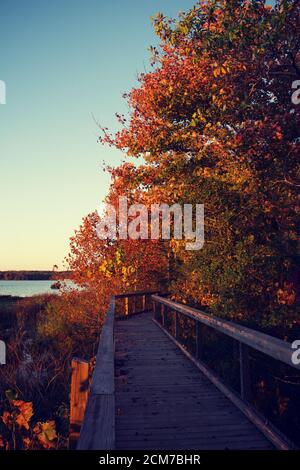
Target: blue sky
62, 61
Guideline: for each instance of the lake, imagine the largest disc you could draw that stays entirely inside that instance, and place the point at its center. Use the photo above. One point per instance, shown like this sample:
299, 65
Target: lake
26, 288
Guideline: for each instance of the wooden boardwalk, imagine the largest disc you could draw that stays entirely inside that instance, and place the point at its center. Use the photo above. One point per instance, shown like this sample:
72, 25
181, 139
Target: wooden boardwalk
164, 402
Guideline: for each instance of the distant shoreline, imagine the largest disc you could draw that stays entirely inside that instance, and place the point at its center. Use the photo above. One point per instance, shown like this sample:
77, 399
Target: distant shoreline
10, 298
33, 275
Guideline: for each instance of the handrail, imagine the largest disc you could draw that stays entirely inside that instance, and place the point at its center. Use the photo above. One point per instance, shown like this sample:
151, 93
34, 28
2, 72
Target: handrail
136, 294
247, 338
273, 347
130, 306
98, 428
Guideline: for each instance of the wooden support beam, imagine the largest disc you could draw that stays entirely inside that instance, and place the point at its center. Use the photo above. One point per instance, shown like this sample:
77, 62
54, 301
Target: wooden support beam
144, 303
126, 300
154, 309
176, 325
163, 319
198, 352
79, 398
245, 373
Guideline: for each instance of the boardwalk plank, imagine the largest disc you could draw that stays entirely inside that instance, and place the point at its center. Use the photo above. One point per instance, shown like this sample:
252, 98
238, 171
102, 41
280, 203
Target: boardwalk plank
164, 402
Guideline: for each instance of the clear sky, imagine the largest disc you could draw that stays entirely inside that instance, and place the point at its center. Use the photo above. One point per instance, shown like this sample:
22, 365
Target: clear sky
62, 61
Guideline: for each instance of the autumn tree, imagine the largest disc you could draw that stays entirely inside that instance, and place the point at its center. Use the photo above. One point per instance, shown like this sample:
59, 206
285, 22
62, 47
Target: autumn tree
213, 123
107, 267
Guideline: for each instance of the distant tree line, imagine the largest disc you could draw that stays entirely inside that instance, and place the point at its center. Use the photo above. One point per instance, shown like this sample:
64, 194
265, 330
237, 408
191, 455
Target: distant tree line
30, 275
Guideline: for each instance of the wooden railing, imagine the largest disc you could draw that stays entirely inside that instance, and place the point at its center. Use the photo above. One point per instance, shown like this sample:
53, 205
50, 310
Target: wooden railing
98, 428
133, 303
247, 339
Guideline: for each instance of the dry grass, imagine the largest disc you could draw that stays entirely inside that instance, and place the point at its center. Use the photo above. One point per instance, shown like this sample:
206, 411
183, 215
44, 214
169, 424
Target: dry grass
45, 333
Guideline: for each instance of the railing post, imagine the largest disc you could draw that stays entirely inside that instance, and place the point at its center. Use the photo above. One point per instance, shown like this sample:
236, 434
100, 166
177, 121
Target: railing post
245, 373
144, 303
126, 300
78, 398
198, 340
176, 325
163, 319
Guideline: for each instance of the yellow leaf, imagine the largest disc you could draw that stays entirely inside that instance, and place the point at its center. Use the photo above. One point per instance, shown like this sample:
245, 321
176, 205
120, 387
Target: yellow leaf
46, 433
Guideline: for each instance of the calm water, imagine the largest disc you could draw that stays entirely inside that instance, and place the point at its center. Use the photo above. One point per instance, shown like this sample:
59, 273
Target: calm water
26, 288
